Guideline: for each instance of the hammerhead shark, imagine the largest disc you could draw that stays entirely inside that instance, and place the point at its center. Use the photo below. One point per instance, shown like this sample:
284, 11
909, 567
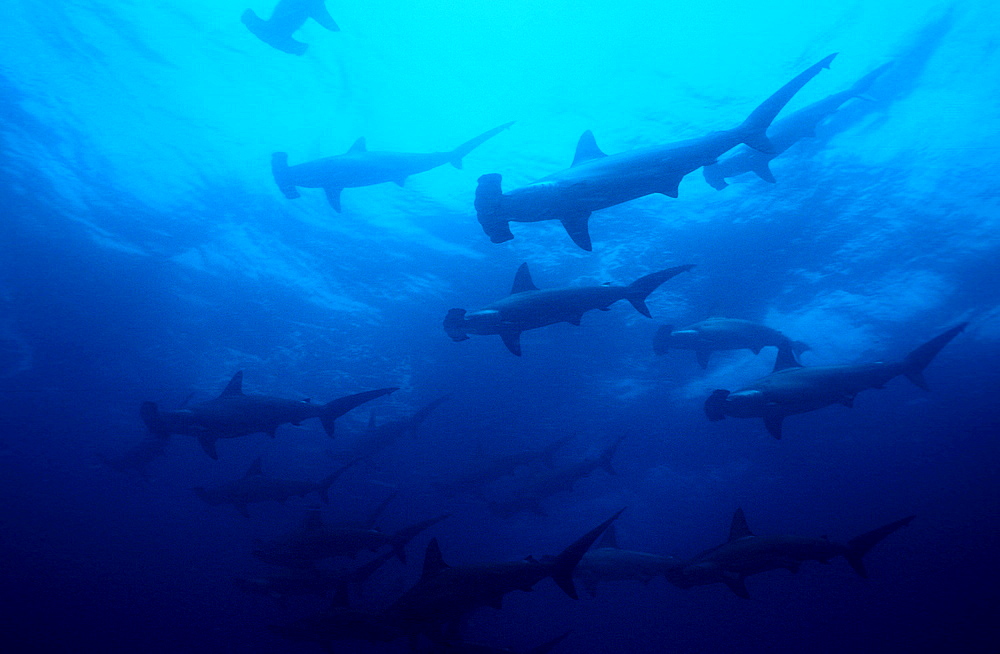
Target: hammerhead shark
380, 436
792, 388
527, 307
445, 594
316, 541
717, 334
785, 133
233, 414
529, 497
360, 166
256, 487
607, 561
745, 554
473, 480
288, 16
597, 181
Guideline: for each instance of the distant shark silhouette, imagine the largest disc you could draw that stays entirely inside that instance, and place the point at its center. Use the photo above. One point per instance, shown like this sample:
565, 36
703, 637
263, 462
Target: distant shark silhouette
746, 554
718, 334
607, 561
316, 541
792, 388
380, 436
360, 166
288, 16
256, 487
139, 456
445, 594
527, 307
234, 414
473, 480
530, 495
597, 181
785, 133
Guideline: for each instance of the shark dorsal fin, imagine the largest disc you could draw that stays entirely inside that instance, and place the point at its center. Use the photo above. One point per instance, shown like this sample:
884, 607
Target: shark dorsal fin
609, 539
313, 521
235, 385
433, 561
786, 359
586, 149
739, 528
255, 468
522, 280
371, 419
359, 146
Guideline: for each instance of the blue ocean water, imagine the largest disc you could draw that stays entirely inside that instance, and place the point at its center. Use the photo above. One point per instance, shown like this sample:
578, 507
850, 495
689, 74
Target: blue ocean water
147, 255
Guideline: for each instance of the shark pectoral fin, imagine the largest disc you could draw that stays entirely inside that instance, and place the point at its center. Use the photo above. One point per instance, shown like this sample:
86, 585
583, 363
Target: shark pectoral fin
755, 350
738, 586
772, 422
513, 342
208, 444
578, 229
322, 16
575, 320
764, 172
333, 197
702, 356
848, 401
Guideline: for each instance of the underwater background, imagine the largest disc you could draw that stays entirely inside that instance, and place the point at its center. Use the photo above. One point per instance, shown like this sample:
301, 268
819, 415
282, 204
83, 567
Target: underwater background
147, 255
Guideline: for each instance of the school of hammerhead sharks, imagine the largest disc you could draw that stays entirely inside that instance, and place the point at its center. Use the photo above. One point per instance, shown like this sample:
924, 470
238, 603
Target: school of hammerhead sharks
431, 613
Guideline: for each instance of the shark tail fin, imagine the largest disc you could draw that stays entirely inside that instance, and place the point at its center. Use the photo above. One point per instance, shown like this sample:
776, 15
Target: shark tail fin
422, 414
661, 342
637, 292
282, 176
920, 358
565, 563
402, 537
323, 488
753, 130
858, 547
336, 408
608, 454
714, 177
150, 414
456, 155
715, 405
489, 194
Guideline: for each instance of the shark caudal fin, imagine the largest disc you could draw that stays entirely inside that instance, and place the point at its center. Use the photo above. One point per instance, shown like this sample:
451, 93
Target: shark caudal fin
565, 563
456, 155
489, 196
336, 408
715, 405
323, 487
282, 176
858, 547
920, 358
401, 538
753, 129
608, 454
661, 342
422, 414
637, 292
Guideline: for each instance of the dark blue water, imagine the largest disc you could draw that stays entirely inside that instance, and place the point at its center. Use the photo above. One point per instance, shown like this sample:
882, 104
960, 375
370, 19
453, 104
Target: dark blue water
147, 256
